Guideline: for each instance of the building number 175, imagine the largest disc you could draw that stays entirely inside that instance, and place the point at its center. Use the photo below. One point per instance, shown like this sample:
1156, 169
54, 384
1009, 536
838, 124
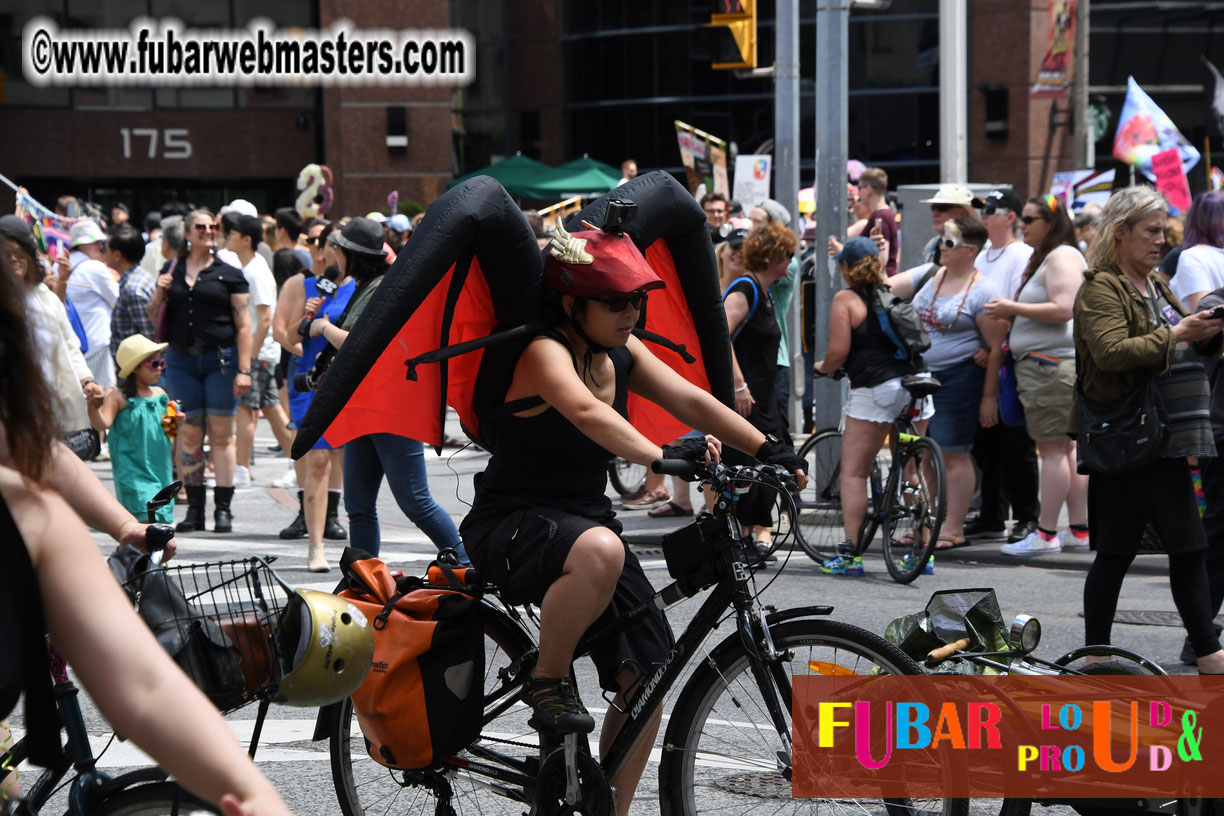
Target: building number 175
173, 142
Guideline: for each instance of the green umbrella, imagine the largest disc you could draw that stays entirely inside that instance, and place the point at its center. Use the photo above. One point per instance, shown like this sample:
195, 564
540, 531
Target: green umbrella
519, 174
582, 176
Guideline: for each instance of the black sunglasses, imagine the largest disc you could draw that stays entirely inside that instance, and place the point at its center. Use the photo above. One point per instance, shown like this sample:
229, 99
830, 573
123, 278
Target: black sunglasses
620, 303
944, 207
995, 211
1028, 219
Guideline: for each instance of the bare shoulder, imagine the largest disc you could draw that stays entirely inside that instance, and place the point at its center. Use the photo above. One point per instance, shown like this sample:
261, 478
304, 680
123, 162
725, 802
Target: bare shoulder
33, 509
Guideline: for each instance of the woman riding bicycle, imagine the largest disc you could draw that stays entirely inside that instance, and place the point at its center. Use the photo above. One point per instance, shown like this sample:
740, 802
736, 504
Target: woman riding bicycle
858, 343
541, 527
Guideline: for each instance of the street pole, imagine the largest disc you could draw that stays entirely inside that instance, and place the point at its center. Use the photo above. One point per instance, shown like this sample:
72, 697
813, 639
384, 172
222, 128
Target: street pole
786, 167
832, 122
953, 92
1085, 142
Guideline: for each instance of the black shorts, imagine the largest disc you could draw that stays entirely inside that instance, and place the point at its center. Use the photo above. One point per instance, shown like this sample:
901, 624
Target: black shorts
523, 551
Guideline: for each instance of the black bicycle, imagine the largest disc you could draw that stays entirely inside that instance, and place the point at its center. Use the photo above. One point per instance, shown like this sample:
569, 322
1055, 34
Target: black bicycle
906, 501
144, 792
728, 744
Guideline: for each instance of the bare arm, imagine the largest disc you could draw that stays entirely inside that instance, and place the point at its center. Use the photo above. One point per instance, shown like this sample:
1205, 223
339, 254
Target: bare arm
1063, 277
902, 286
654, 380
103, 416
121, 665
839, 333
290, 306
263, 325
994, 332
736, 307
546, 369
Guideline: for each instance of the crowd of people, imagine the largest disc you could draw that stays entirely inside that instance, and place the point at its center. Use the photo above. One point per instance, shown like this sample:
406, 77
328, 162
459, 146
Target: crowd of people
165, 346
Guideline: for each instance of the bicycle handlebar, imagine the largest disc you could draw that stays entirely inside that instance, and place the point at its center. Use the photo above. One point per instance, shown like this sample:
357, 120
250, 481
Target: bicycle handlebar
941, 654
719, 475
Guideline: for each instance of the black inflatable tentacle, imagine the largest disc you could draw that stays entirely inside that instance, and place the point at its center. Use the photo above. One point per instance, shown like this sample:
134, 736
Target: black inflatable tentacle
475, 218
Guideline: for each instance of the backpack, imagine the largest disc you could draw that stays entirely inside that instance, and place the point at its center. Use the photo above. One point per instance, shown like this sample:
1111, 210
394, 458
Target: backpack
900, 323
423, 699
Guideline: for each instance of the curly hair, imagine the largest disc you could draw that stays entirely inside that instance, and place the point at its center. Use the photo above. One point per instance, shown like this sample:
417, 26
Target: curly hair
868, 272
27, 417
769, 244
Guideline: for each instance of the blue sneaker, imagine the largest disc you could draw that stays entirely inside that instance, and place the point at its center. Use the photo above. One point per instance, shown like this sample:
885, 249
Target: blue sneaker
908, 559
843, 564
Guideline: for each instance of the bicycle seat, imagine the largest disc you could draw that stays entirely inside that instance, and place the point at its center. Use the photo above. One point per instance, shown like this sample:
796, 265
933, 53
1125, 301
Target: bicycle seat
920, 385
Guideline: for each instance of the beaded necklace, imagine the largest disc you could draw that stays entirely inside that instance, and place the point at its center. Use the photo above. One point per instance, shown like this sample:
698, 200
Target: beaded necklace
928, 317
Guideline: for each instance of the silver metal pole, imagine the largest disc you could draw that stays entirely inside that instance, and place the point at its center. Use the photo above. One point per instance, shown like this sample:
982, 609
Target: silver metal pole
786, 170
832, 122
953, 92
1082, 139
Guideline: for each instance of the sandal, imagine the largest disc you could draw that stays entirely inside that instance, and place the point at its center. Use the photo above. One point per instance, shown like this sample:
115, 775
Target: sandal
669, 509
950, 543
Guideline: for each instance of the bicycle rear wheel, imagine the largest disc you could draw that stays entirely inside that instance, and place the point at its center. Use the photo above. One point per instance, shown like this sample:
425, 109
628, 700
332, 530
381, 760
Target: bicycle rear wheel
626, 477
507, 746
158, 799
913, 513
721, 753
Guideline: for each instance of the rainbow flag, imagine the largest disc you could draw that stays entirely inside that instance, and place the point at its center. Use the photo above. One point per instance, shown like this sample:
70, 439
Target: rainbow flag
1145, 130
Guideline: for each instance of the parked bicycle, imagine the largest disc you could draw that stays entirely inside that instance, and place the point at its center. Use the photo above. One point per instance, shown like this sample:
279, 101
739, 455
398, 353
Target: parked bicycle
906, 501
727, 745
238, 631
977, 642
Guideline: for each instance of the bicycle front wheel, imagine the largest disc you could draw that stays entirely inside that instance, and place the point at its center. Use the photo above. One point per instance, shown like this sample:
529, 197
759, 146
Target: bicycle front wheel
913, 513
158, 799
722, 753
493, 775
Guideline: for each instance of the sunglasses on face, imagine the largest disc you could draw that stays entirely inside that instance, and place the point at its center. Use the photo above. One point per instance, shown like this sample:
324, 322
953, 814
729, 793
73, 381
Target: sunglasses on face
943, 208
1028, 219
995, 211
205, 228
620, 303
949, 244
155, 363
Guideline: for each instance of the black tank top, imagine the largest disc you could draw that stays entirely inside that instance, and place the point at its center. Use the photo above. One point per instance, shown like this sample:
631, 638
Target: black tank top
23, 644
545, 461
872, 359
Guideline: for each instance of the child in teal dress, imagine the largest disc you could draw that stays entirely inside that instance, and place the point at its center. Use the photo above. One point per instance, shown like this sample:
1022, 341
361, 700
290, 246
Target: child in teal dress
134, 413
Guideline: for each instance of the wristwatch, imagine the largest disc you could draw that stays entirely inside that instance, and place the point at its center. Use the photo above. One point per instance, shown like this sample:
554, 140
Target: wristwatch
240, 371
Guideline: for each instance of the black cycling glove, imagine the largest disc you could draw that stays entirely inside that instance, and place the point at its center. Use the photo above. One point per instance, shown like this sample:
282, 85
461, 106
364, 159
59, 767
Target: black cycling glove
776, 452
690, 450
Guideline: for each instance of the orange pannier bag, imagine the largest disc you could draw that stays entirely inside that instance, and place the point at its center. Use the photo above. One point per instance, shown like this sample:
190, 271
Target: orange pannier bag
423, 699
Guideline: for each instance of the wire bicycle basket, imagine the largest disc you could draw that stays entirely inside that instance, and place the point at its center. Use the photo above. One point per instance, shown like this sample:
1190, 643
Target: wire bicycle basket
219, 622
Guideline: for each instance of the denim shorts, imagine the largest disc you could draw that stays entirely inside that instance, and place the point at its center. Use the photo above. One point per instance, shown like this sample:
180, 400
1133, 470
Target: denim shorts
198, 382
956, 406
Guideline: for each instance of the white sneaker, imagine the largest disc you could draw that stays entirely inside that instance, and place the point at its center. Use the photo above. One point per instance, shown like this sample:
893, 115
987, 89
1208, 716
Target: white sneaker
210, 482
242, 477
1032, 544
288, 481
1073, 543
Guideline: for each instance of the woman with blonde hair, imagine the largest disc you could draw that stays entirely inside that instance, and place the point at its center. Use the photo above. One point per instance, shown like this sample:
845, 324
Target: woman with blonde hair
857, 342
1131, 330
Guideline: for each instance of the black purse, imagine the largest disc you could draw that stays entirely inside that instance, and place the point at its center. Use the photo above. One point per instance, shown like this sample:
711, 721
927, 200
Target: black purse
1121, 436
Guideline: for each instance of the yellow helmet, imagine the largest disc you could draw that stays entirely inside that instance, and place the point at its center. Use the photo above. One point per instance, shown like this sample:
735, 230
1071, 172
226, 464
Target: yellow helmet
327, 644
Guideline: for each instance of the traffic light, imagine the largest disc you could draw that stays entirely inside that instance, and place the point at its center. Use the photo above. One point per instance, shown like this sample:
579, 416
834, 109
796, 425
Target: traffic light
739, 19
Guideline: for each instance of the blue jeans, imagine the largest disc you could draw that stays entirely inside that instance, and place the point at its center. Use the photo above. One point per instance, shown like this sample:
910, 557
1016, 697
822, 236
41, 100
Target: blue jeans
366, 460
200, 384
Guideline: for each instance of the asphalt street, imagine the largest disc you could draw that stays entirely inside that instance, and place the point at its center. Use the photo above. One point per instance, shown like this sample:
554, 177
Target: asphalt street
1049, 587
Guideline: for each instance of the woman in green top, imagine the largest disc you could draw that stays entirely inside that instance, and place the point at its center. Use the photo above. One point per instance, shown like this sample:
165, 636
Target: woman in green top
369, 458
139, 447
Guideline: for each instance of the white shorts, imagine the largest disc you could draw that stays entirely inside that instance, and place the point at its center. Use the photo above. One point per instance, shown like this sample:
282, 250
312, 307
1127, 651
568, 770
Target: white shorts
883, 402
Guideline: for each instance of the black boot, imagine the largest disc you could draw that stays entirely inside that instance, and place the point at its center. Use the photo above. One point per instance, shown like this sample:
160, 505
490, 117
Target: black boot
809, 425
296, 528
223, 519
196, 497
334, 530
